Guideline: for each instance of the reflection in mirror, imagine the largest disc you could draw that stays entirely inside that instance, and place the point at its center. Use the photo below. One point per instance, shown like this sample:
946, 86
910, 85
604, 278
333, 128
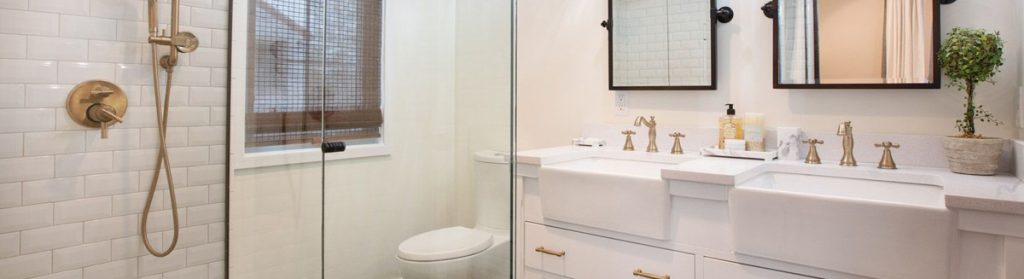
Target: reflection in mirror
856, 42
661, 43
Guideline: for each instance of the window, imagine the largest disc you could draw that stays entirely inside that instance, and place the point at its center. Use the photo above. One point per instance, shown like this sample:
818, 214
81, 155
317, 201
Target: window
304, 59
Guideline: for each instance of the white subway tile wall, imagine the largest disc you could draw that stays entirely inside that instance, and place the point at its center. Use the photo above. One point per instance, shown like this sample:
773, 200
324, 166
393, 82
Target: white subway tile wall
70, 202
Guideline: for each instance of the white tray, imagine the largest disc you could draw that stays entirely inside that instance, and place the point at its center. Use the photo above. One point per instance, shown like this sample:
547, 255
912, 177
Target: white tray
760, 155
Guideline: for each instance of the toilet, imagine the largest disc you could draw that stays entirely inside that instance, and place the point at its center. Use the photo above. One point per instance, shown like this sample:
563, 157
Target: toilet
460, 252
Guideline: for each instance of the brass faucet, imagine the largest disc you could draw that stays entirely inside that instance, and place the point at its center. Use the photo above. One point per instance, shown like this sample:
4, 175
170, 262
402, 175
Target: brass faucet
887, 162
652, 134
846, 131
812, 151
629, 140
677, 147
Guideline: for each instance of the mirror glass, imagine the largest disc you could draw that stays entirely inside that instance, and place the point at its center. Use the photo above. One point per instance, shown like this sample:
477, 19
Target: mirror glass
661, 44
856, 42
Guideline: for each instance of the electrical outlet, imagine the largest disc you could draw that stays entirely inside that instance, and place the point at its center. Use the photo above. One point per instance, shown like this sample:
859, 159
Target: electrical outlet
621, 103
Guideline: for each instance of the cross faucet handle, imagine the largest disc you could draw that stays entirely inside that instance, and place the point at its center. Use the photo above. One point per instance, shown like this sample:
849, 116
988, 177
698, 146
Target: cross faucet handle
813, 141
887, 162
677, 135
677, 147
628, 132
887, 145
812, 152
629, 140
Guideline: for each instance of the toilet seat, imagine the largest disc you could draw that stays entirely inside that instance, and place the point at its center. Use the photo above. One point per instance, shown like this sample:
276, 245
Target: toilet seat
444, 244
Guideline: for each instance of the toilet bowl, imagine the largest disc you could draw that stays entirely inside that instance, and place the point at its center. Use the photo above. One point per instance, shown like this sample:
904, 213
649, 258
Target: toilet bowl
460, 252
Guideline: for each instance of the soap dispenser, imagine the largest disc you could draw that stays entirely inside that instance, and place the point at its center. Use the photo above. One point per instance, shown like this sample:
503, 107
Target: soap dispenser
729, 126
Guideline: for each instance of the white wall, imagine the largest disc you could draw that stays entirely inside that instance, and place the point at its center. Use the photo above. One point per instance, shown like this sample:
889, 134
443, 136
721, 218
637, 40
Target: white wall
70, 201
562, 79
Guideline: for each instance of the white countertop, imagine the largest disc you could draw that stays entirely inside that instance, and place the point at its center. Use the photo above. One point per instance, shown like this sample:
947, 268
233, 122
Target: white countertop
1002, 193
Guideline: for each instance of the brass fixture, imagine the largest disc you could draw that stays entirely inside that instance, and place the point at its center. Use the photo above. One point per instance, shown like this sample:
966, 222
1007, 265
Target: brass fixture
183, 42
641, 273
652, 134
812, 151
629, 140
97, 104
677, 148
887, 162
543, 250
846, 131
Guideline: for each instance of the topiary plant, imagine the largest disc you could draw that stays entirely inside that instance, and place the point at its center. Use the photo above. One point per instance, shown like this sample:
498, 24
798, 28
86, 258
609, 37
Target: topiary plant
970, 56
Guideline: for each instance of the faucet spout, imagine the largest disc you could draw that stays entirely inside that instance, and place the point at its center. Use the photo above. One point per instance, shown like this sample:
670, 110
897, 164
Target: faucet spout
652, 134
846, 131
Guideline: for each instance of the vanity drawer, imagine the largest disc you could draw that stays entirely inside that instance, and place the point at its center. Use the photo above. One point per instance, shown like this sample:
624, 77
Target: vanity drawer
719, 269
579, 255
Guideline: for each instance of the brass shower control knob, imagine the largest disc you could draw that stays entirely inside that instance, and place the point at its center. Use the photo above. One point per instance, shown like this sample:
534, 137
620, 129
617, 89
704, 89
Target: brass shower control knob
97, 104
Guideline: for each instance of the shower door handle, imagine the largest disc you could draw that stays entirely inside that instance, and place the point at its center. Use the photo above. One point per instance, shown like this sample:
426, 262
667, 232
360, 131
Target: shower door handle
331, 147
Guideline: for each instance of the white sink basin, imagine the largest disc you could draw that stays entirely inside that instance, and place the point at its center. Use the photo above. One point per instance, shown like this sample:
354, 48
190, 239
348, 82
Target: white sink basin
617, 191
874, 228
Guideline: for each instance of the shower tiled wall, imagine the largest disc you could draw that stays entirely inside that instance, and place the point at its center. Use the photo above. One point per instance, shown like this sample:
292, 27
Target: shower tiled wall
70, 201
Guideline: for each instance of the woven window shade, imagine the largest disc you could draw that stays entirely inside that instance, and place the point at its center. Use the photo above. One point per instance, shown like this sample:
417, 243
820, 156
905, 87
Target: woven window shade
311, 69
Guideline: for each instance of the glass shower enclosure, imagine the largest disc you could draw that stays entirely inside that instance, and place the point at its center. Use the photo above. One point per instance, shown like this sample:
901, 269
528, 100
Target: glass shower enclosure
420, 93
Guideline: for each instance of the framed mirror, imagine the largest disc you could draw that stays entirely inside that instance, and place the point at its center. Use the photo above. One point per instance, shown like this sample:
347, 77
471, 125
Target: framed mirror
662, 44
856, 44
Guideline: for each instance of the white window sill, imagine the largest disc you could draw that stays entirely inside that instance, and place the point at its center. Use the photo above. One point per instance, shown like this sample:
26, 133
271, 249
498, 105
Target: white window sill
307, 155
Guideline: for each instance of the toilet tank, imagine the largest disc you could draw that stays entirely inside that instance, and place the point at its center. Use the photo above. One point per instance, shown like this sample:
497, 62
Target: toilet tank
493, 182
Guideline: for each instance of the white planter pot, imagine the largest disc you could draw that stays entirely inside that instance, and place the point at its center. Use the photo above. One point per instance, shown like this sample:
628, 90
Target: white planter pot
973, 156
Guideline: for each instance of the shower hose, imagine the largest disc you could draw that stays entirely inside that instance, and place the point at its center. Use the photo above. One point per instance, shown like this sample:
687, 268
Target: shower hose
161, 158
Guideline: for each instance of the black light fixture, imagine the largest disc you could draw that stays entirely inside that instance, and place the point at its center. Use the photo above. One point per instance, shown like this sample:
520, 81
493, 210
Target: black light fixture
769, 9
724, 14
946, 2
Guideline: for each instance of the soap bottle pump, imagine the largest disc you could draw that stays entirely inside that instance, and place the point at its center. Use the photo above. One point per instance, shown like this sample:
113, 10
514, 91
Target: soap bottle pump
729, 126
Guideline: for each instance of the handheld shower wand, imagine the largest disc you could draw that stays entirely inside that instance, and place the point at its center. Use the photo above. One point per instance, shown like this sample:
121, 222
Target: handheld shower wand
183, 42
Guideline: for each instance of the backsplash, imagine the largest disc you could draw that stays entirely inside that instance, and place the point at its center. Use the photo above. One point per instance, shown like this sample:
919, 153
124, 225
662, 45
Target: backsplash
70, 201
915, 150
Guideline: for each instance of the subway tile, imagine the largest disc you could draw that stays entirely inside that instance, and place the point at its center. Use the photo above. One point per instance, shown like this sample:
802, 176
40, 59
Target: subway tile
207, 135
180, 176
83, 164
133, 160
209, 57
133, 31
68, 274
204, 35
218, 270
46, 95
81, 256
28, 23
208, 96
87, 27
189, 236
189, 156
206, 253
10, 194
132, 246
14, 46
134, 74
115, 52
26, 168
29, 120
73, 7
193, 272
150, 265
204, 175
191, 76
25, 217
117, 139
27, 71
218, 232
198, 3
192, 196
14, 4
119, 9
12, 95
162, 220
50, 238
111, 184
11, 145
205, 214
26, 266
52, 190
76, 72
81, 210
141, 117
219, 77
179, 96
49, 143
57, 48
218, 116
164, 17
65, 123
10, 244
110, 228
176, 137
134, 203
220, 38
218, 154
188, 116
209, 18
123, 269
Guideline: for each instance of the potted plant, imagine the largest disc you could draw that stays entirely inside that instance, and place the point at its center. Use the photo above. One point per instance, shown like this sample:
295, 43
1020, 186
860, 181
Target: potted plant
968, 57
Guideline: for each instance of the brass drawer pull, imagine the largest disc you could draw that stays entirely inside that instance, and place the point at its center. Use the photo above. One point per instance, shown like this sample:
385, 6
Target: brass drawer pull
550, 252
641, 273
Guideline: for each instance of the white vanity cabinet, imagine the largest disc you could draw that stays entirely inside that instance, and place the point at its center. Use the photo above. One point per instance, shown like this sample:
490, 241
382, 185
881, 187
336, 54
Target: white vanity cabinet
579, 255
720, 269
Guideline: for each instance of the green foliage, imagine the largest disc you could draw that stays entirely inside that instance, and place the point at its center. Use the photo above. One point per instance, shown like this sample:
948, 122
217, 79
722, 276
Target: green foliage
970, 56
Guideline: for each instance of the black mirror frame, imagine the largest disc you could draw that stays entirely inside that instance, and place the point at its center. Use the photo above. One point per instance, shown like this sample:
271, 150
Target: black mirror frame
936, 39
713, 16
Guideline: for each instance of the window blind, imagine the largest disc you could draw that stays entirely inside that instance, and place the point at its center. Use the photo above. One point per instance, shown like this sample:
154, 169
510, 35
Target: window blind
314, 64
